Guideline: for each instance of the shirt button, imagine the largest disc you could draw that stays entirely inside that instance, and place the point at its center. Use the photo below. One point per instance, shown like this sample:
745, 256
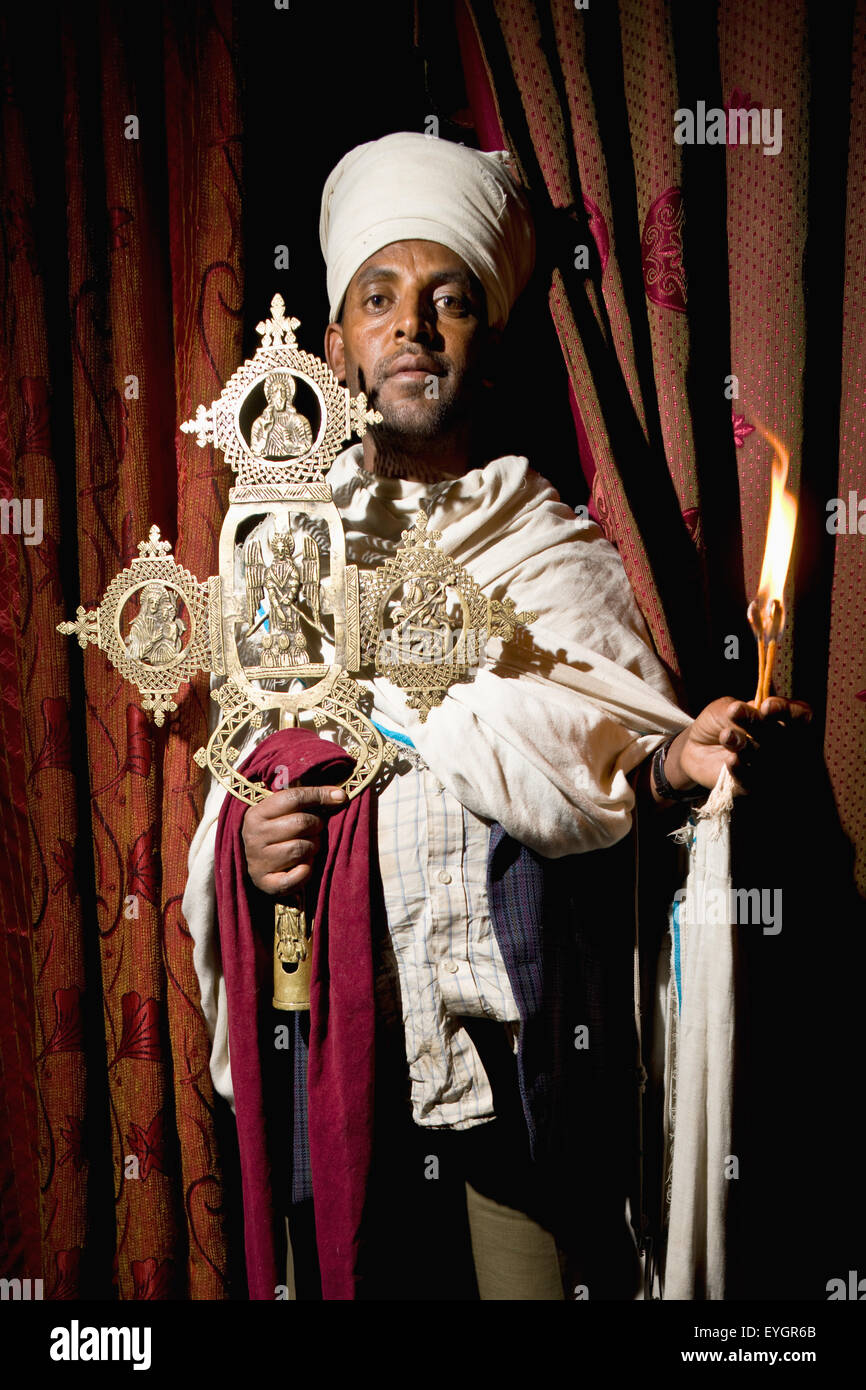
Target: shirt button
444, 876
452, 967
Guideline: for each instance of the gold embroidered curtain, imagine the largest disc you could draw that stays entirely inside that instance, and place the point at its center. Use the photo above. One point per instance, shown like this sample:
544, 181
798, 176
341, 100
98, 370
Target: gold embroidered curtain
111, 1154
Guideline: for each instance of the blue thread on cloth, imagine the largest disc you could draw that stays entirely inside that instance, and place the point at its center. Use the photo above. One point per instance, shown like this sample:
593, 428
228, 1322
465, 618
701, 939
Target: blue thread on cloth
392, 733
675, 919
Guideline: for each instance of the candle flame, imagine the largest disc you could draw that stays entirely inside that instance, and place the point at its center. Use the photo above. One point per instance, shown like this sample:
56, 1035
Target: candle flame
780, 533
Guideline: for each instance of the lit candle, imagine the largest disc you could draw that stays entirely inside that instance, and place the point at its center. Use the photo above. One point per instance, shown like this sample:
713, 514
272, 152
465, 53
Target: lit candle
766, 613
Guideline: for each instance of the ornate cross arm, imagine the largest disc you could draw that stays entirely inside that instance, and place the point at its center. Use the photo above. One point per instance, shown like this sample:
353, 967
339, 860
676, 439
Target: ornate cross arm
304, 416
157, 624
425, 622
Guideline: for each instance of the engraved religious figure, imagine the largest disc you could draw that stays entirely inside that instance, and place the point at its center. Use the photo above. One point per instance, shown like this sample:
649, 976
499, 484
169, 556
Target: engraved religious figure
424, 621
155, 635
283, 584
280, 432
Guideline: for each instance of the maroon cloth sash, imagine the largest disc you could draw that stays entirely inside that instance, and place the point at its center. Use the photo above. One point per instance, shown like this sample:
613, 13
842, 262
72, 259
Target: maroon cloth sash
342, 1019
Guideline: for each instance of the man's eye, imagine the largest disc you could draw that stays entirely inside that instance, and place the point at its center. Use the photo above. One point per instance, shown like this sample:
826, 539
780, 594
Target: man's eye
376, 301
452, 303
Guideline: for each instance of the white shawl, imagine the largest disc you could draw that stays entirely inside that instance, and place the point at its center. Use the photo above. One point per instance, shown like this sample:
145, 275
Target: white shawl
543, 738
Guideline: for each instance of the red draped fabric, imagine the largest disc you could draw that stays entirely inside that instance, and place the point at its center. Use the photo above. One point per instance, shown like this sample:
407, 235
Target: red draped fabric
342, 1021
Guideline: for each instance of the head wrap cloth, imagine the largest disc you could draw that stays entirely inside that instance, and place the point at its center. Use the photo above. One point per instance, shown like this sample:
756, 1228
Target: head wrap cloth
408, 187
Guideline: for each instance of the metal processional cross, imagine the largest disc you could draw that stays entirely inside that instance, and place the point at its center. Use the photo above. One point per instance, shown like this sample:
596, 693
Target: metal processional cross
287, 623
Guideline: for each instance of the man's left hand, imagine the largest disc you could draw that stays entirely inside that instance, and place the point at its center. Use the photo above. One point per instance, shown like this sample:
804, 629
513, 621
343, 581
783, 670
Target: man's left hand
731, 733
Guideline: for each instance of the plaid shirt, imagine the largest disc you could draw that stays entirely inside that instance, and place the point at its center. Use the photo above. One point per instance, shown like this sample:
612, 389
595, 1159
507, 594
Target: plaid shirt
445, 963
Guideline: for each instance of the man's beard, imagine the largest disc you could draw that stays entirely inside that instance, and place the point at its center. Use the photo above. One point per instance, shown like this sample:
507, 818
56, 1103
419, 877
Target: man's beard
407, 437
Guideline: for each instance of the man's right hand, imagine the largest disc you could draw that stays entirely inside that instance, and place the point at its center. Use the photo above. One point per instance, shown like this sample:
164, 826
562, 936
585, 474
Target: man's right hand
281, 836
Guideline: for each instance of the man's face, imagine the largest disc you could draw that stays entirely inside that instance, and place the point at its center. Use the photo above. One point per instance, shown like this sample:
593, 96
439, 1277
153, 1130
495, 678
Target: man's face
412, 336
278, 396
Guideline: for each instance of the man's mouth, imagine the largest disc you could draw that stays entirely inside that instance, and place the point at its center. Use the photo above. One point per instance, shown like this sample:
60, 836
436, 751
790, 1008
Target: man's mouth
413, 368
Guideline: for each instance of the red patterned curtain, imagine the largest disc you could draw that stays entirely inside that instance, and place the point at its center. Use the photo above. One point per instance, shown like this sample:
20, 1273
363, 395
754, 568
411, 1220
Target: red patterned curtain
150, 200
722, 291
700, 291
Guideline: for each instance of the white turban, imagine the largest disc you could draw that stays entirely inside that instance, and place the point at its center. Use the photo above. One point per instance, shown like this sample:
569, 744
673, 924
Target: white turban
410, 186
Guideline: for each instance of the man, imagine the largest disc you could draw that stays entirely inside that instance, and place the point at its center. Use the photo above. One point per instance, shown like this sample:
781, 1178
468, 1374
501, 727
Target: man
428, 245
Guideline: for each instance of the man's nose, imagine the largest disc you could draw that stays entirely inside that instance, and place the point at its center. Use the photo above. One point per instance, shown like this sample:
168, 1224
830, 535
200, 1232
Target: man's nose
416, 319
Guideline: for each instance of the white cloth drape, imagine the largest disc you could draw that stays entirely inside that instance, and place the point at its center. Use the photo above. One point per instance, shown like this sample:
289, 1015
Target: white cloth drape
699, 1070
541, 740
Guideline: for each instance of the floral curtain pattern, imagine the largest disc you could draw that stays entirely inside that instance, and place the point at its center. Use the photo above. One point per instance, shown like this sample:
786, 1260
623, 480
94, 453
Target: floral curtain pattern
155, 286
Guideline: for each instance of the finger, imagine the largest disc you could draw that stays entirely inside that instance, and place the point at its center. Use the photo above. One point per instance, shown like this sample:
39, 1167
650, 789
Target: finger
292, 799
774, 707
740, 712
287, 855
287, 881
739, 773
786, 711
738, 740
801, 710
297, 825
752, 724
